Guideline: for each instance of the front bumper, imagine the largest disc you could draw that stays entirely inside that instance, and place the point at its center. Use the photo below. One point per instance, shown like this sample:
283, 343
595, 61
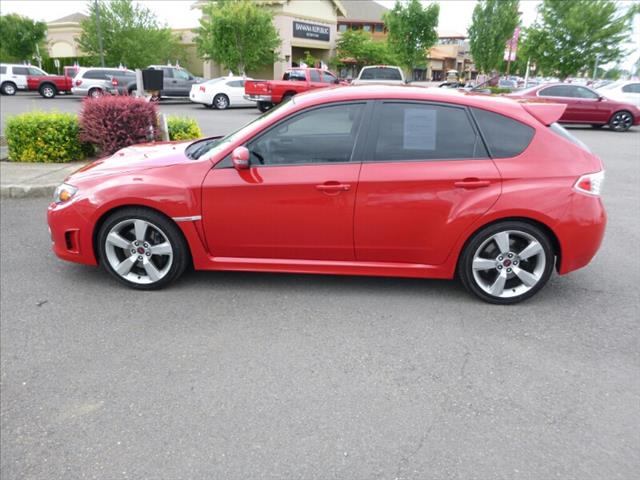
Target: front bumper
71, 234
258, 98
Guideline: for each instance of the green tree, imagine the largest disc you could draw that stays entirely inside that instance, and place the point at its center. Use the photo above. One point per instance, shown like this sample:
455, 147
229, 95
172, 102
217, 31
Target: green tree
131, 33
412, 31
359, 47
492, 24
571, 35
20, 35
238, 34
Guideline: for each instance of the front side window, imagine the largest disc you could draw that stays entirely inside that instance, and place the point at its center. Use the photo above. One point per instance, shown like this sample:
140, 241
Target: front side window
320, 135
581, 92
414, 131
328, 77
504, 136
167, 72
181, 75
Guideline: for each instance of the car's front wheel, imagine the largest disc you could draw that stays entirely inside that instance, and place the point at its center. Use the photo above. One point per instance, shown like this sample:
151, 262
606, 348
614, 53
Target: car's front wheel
506, 262
621, 121
142, 248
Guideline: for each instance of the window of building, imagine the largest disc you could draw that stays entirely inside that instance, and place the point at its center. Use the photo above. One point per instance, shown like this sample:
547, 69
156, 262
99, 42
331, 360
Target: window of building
413, 131
320, 135
505, 137
343, 27
366, 27
379, 27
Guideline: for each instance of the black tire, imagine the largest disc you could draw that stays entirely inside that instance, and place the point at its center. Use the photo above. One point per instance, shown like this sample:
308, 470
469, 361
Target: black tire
221, 101
621, 121
181, 257
95, 93
47, 90
597, 125
265, 106
8, 88
287, 96
466, 270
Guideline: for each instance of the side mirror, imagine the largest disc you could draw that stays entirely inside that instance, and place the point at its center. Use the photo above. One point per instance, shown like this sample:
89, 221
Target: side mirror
337, 81
240, 158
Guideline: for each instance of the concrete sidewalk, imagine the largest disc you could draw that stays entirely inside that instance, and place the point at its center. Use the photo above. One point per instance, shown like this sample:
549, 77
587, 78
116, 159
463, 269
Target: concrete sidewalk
21, 180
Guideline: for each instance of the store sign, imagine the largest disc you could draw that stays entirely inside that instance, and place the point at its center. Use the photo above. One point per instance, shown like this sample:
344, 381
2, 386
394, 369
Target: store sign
311, 31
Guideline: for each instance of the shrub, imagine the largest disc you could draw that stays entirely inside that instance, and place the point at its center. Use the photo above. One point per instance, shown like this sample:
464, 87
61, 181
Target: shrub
182, 128
45, 137
115, 122
498, 90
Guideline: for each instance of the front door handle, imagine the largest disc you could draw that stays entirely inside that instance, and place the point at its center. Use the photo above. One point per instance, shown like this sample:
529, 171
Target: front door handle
333, 187
472, 183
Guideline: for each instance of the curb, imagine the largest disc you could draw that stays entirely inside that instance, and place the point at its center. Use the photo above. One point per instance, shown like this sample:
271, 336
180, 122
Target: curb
27, 191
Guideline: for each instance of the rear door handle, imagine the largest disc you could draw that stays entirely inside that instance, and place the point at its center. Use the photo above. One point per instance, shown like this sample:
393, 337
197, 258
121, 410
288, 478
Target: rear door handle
472, 183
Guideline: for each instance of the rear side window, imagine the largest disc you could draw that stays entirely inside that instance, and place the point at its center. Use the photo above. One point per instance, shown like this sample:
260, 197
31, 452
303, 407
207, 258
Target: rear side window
315, 75
381, 73
631, 88
413, 131
95, 74
504, 136
557, 91
20, 71
3, 70
295, 75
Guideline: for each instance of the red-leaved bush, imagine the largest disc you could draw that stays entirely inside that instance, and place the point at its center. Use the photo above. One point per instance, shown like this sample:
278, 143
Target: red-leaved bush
115, 122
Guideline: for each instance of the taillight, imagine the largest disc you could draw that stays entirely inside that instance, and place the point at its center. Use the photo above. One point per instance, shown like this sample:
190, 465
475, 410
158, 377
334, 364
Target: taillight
591, 183
78, 82
114, 81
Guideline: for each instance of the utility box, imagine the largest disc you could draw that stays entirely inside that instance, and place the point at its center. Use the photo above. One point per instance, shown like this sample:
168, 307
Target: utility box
152, 79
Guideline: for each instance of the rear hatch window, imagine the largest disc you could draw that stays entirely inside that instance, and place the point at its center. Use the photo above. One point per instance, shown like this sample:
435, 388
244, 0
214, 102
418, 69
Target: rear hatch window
381, 73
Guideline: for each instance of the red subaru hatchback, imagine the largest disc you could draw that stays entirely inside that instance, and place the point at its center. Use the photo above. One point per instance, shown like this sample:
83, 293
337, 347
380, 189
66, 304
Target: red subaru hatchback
370, 180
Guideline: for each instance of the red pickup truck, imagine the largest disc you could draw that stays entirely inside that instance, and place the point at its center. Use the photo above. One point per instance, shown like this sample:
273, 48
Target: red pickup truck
50, 85
271, 92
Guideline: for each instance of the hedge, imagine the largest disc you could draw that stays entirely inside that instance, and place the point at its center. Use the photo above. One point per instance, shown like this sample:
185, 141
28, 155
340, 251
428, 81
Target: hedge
182, 128
48, 137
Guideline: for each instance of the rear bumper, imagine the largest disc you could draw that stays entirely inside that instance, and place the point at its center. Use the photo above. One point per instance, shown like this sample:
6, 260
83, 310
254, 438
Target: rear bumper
581, 232
258, 98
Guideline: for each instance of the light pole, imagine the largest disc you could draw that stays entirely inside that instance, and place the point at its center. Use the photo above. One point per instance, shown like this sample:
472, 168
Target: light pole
99, 32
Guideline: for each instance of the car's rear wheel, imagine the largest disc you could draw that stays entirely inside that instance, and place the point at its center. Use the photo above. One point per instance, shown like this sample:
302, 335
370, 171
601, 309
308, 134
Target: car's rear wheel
265, 106
506, 262
8, 88
287, 97
96, 93
221, 101
142, 248
621, 121
48, 90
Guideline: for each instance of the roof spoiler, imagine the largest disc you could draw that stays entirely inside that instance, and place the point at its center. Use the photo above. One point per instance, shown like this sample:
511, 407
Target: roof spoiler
545, 113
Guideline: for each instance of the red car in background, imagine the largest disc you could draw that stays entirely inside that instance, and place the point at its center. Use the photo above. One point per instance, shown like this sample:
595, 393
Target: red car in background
584, 105
50, 85
369, 180
268, 93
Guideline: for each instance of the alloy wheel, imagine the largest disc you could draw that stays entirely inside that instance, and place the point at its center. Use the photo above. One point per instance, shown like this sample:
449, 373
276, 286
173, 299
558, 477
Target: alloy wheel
621, 121
509, 264
222, 102
48, 92
9, 89
138, 251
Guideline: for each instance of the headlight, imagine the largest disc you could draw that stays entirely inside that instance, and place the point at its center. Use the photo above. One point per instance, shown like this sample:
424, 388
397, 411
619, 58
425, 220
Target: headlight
64, 193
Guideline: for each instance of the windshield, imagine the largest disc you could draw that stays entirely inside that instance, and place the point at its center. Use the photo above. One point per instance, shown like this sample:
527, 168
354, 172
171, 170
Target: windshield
208, 148
608, 86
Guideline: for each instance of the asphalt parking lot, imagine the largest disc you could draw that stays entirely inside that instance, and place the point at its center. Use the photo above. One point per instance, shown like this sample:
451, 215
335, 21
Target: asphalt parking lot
211, 121
243, 375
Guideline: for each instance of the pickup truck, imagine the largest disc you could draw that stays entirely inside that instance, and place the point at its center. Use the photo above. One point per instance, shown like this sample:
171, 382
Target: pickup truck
380, 74
268, 93
50, 85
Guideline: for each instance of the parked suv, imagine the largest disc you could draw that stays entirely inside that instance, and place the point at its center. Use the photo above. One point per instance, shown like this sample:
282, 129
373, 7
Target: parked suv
13, 77
96, 81
177, 81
